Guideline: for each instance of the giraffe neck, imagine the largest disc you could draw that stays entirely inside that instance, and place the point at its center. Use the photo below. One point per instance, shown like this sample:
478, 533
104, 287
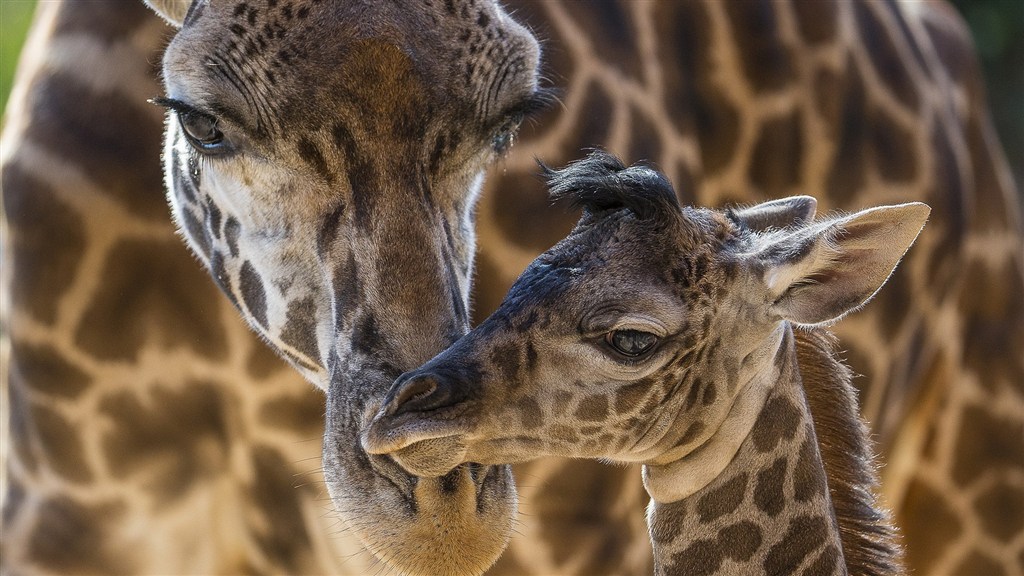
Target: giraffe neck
796, 494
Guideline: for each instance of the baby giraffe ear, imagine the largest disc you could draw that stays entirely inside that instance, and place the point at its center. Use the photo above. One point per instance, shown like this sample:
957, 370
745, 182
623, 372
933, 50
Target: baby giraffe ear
823, 270
782, 213
173, 11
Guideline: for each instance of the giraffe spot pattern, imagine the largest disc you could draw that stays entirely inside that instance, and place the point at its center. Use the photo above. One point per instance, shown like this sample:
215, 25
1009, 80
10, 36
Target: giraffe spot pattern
767, 61
644, 143
183, 433
690, 99
299, 329
986, 442
691, 433
564, 434
612, 22
153, 293
1001, 510
627, 398
927, 521
948, 216
894, 303
993, 316
845, 105
700, 558
989, 211
20, 424
816, 21
825, 563
42, 369
527, 218
603, 488
311, 154
60, 443
739, 541
43, 264
768, 492
530, 414
72, 121
693, 394
232, 231
802, 538
506, 358
673, 518
722, 499
261, 362
778, 420
710, 394
274, 492
892, 148
808, 474
980, 563
250, 285
73, 537
14, 501
593, 408
195, 231
774, 167
885, 57
302, 414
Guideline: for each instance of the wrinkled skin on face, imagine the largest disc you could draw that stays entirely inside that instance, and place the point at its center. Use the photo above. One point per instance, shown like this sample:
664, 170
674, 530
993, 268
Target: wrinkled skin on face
327, 182
652, 332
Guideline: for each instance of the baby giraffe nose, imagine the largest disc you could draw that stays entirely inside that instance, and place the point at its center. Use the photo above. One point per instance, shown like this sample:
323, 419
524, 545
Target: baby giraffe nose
422, 393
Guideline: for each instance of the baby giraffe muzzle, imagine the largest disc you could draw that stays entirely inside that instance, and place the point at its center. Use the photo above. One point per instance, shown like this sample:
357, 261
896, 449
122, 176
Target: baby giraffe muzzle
403, 421
690, 341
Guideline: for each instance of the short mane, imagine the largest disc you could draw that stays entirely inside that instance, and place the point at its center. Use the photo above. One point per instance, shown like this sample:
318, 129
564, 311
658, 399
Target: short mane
870, 543
602, 182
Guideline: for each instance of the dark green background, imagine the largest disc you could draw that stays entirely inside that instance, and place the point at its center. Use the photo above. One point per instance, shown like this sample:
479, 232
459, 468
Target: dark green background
998, 27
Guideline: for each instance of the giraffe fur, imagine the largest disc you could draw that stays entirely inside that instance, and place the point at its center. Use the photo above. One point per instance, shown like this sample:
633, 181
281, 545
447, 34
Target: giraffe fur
664, 336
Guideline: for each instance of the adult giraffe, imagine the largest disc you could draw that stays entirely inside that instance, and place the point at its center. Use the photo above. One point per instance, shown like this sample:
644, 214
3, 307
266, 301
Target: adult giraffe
115, 337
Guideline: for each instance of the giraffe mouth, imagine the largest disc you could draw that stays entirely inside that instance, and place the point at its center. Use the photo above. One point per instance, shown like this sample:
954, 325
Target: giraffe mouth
424, 446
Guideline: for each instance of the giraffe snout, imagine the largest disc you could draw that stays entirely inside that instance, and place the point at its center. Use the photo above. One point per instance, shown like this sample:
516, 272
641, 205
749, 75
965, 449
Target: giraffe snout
417, 392
420, 406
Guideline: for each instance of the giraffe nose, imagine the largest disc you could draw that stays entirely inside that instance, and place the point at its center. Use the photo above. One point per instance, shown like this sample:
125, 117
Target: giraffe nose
419, 392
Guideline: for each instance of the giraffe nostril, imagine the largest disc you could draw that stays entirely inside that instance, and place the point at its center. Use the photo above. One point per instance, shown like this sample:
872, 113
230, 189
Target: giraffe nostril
423, 394
411, 391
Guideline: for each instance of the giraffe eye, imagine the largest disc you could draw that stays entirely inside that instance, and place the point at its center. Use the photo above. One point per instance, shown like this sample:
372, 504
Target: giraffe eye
200, 128
632, 343
505, 136
201, 131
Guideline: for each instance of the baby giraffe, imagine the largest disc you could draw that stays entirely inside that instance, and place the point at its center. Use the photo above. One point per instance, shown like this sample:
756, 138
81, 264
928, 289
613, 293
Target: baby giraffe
687, 340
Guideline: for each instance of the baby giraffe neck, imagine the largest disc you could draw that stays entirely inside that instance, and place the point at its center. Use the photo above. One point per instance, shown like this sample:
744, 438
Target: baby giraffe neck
769, 510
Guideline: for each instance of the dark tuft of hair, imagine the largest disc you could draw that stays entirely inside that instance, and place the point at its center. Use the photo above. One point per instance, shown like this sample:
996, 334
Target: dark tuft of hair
601, 182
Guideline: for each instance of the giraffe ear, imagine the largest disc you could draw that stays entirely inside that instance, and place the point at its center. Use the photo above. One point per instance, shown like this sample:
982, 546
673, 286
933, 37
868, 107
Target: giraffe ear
822, 271
173, 11
782, 213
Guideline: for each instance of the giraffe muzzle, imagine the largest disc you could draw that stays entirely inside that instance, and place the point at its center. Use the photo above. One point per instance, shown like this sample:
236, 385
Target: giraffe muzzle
422, 424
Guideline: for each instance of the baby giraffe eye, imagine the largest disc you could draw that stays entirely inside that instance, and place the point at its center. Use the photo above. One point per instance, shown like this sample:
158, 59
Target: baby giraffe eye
632, 343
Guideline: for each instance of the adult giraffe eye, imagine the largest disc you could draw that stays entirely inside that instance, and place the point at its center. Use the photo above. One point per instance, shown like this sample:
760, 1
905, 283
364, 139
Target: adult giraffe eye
632, 343
505, 136
201, 131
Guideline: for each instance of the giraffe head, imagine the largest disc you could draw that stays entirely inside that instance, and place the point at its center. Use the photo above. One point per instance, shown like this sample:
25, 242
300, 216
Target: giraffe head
323, 160
643, 334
